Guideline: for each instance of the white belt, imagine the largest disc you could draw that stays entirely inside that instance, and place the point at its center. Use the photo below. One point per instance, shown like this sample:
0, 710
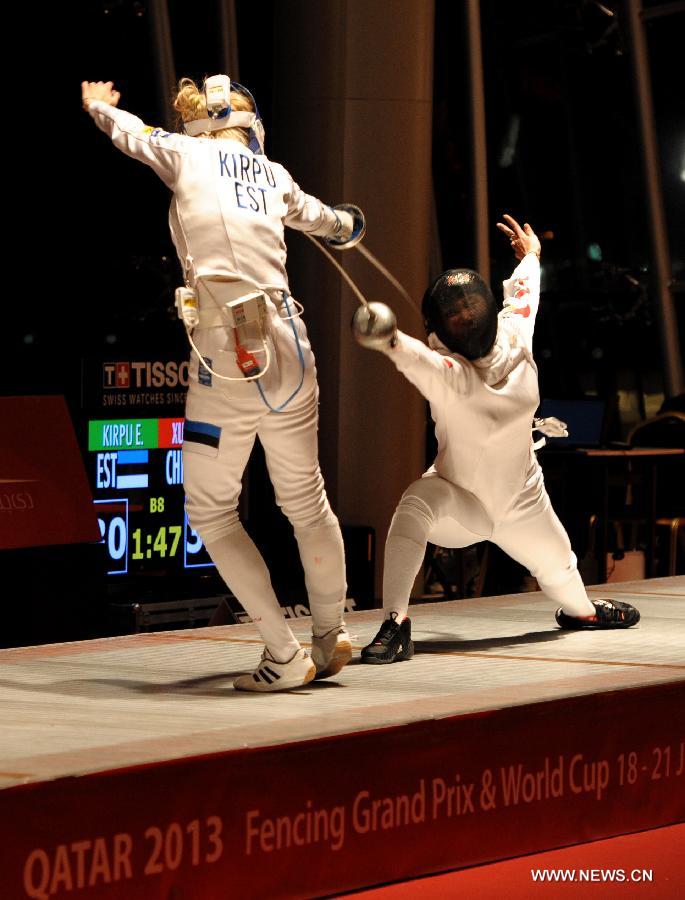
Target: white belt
213, 294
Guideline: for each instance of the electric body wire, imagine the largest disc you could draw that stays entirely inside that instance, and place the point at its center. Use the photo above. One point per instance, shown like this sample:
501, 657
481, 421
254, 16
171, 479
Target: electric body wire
300, 309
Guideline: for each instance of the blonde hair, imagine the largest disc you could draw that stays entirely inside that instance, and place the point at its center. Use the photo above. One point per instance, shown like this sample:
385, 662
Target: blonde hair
191, 104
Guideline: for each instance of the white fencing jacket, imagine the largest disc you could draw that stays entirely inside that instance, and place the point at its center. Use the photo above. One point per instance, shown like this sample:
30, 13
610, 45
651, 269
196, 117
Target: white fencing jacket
483, 410
229, 206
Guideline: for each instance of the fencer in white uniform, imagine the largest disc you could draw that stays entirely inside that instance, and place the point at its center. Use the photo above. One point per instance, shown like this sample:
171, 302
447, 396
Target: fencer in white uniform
480, 377
228, 210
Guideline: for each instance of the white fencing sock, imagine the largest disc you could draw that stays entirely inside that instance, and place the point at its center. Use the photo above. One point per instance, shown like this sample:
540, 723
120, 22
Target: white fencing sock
403, 559
241, 566
323, 559
570, 594
405, 550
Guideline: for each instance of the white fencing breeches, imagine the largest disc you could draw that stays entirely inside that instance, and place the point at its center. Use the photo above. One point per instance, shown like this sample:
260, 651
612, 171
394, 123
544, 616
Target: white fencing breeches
433, 509
213, 469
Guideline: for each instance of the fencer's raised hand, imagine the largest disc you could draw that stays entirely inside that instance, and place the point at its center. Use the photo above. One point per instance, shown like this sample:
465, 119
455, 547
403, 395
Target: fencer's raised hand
374, 326
99, 90
522, 240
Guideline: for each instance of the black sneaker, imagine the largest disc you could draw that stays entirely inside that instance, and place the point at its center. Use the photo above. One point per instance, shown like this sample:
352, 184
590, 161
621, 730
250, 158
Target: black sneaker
393, 643
609, 614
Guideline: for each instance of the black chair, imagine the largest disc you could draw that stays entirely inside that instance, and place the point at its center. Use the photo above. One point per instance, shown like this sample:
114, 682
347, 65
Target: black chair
667, 429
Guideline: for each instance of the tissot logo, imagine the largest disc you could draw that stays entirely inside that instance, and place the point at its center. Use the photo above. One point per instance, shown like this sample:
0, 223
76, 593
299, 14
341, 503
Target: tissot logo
123, 375
133, 375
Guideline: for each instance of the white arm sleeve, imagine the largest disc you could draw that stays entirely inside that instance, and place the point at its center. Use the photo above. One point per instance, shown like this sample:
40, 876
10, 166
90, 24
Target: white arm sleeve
159, 149
516, 322
522, 297
306, 213
429, 371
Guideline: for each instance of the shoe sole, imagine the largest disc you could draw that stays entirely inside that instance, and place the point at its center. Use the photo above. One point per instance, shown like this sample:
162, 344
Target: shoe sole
593, 627
279, 685
341, 656
404, 656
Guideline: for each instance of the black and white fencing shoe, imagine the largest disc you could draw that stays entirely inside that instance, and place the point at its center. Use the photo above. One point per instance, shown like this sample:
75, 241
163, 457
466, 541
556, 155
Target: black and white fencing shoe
609, 614
276, 676
393, 643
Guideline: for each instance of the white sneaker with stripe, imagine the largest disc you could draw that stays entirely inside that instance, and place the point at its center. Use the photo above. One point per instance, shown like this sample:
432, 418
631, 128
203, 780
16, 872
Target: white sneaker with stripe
276, 676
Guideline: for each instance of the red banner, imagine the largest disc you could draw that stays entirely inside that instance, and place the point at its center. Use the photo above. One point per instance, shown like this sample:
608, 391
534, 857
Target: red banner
319, 817
44, 492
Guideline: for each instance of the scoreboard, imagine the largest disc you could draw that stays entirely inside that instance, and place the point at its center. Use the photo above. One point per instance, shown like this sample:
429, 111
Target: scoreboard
131, 430
136, 472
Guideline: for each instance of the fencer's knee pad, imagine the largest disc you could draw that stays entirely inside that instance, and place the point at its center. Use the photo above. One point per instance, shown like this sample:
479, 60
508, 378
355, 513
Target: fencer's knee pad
213, 524
325, 519
413, 518
311, 510
434, 501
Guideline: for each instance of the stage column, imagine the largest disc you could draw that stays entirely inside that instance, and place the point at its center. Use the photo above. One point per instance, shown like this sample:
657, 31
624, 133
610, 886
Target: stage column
352, 122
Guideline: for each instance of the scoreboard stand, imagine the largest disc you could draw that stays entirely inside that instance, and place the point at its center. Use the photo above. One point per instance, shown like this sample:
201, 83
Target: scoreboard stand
163, 615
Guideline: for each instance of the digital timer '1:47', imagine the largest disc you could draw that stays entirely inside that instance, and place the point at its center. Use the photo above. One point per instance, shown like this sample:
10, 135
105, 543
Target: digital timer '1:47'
165, 542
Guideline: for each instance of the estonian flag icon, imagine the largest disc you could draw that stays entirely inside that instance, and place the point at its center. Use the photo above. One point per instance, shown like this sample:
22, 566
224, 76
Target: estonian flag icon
201, 433
132, 458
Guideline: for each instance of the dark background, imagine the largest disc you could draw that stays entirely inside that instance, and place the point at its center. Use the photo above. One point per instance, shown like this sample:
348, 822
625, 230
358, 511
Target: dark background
90, 243
558, 76
90, 265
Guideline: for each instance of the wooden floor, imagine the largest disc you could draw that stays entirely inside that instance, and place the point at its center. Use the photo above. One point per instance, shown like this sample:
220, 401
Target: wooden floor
92, 706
